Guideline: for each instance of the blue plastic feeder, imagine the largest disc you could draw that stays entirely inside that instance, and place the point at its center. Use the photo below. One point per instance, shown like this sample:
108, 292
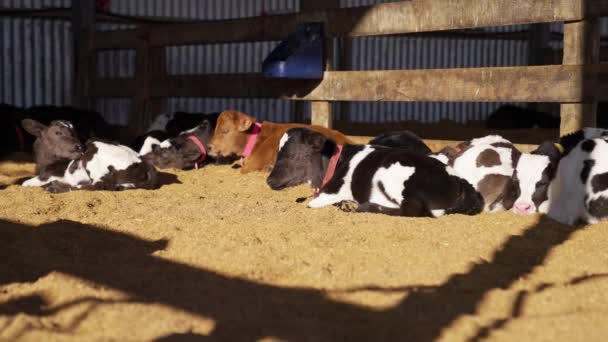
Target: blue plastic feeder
298, 56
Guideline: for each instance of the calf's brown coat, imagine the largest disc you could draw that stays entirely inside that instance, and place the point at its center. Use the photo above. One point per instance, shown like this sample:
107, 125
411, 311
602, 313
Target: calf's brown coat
234, 129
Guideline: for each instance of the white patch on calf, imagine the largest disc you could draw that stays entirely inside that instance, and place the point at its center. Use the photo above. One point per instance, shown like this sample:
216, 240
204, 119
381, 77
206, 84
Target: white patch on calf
36, 181
118, 156
149, 143
345, 193
529, 172
489, 139
437, 212
189, 131
74, 179
465, 165
283, 141
441, 157
166, 144
66, 124
393, 179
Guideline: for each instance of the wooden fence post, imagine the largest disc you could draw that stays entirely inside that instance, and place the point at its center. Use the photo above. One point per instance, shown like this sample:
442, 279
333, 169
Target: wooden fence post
140, 104
158, 73
84, 56
581, 47
321, 111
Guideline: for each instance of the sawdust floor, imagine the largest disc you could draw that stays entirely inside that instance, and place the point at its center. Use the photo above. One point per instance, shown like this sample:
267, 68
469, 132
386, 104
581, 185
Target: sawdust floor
220, 255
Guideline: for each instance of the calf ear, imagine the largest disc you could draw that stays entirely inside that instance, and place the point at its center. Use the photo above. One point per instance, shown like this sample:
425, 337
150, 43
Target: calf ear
316, 141
33, 127
244, 123
548, 148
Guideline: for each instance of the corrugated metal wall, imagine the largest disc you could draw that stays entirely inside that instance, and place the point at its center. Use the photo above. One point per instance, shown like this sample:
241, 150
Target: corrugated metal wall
36, 60
35, 57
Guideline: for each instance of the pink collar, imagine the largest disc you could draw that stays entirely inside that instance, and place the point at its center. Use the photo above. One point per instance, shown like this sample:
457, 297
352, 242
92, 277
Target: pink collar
201, 147
255, 131
331, 168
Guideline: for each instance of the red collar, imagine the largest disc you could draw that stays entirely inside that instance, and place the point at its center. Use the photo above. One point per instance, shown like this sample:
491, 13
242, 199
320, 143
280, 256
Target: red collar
201, 147
331, 168
20, 137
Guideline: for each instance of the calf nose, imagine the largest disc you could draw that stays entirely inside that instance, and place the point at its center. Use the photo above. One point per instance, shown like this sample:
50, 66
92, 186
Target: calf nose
523, 208
273, 184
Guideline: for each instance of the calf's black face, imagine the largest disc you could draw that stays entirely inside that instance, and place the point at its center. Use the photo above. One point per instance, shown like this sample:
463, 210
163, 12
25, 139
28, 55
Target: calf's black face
182, 153
299, 159
57, 140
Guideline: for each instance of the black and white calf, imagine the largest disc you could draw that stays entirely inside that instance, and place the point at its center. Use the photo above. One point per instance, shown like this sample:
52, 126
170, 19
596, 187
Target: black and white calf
579, 191
379, 179
487, 164
186, 151
535, 171
62, 164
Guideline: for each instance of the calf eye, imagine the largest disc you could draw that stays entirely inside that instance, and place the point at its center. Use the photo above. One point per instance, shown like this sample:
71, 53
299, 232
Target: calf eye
57, 133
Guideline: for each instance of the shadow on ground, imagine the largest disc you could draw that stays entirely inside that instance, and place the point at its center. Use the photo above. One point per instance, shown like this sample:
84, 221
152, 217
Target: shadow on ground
245, 310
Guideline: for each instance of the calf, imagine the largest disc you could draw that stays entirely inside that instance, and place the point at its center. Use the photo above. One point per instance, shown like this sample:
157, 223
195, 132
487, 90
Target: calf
535, 171
62, 164
405, 140
579, 191
379, 179
487, 164
170, 126
239, 135
188, 150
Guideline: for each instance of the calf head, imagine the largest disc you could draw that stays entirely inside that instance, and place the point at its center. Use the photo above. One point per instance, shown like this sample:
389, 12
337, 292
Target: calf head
300, 159
54, 142
528, 191
404, 140
231, 134
181, 152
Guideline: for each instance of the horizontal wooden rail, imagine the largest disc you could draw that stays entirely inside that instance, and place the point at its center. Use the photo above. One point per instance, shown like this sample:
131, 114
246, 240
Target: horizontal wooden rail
552, 83
436, 145
382, 19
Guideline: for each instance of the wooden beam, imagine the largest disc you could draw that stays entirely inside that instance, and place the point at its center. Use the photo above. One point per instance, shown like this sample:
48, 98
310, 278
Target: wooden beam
140, 104
437, 145
581, 47
158, 72
550, 83
321, 111
83, 26
381, 19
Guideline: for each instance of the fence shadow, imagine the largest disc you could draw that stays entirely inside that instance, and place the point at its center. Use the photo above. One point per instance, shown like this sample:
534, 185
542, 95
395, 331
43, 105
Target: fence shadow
245, 310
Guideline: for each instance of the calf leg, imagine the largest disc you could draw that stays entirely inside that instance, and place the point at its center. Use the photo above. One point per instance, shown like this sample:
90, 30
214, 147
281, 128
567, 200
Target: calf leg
415, 207
378, 209
57, 187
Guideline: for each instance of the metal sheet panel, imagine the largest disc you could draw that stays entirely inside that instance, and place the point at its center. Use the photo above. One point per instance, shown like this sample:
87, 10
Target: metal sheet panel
35, 57
36, 60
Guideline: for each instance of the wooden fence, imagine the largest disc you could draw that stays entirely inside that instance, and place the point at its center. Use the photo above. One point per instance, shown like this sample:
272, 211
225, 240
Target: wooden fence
578, 84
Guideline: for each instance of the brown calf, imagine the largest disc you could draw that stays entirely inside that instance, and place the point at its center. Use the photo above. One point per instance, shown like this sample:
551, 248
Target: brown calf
234, 129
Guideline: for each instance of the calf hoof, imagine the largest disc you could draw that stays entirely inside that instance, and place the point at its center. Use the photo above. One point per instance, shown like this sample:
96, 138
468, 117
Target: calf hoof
348, 206
56, 187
